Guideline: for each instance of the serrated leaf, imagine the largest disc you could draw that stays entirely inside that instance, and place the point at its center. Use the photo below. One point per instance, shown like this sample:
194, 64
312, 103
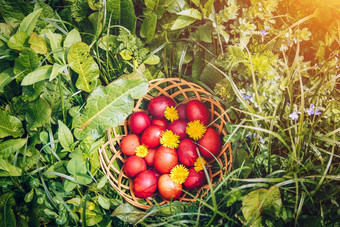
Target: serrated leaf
27, 25
128, 213
72, 37
27, 62
10, 125
7, 169
65, 135
42, 73
193, 13
262, 201
109, 106
149, 27
182, 21
37, 44
104, 202
9, 147
38, 113
82, 62
6, 77
17, 41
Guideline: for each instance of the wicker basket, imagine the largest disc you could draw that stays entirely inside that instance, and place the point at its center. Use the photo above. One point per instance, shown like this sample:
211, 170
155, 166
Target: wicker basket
112, 159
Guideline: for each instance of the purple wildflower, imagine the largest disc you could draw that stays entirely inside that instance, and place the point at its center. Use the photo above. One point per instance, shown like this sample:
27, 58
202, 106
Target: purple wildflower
263, 32
294, 116
311, 110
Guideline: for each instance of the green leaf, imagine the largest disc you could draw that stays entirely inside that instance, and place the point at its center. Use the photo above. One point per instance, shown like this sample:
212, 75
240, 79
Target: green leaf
69, 185
7, 169
149, 27
82, 62
64, 135
29, 196
58, 69
93, 218
17, 41
104, 202
72, 37
27, 62
241, 158
47, 12
83, 178
27, 25
12, 11
117, 97
128, 213
102, 182
76, 165
38, 113
262, 201
37, 44
5, 78
7, 217
127, 15
193, 13
6, 29
182, 21
55, 42
9, 147
152, 60
42, 73
10, 125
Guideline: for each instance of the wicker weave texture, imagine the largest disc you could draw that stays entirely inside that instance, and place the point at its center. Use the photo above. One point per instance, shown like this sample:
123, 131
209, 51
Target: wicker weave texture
112, 159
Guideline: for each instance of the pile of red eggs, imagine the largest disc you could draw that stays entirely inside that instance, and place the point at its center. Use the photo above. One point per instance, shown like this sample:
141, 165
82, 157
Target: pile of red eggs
169, 148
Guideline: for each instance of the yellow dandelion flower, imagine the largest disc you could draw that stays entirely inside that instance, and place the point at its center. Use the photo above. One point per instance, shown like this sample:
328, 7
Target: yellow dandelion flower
169, 139
195, 129
179, 174
170, 113
199, 164
142, 151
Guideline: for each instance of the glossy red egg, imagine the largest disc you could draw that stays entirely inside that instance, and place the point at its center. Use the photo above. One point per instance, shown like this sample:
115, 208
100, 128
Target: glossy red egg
149, 159
168, 189
129, 144
165, 159
210, 143
158, 104
196, 110
195, 179
187, 153
138, 122
178, 127
134, 165
161, 122
182, 112
151, 136
145, 184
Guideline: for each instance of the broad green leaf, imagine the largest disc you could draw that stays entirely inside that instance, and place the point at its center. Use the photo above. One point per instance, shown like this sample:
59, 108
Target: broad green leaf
6, 29
38, 44
38, 113
104, 202
126, 54
77, 165
177, 6
107, 42
5, 78
109, 106
27, 62
210, 76
72, 37
55, 42
9, 147
58, 69
152, 60
207, 9
64, 135
12, 11
93, 218
69, 185
127, 15
128, 213
149, 27
204, 32
42, 73
182, 21
18, 41
82, 62
262, 201
95, 19
7, 217
27, 25
10, 125
7, 169
113, 8
102, 182
241, 158
83, 178
29, 196
193, 13
47, 12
